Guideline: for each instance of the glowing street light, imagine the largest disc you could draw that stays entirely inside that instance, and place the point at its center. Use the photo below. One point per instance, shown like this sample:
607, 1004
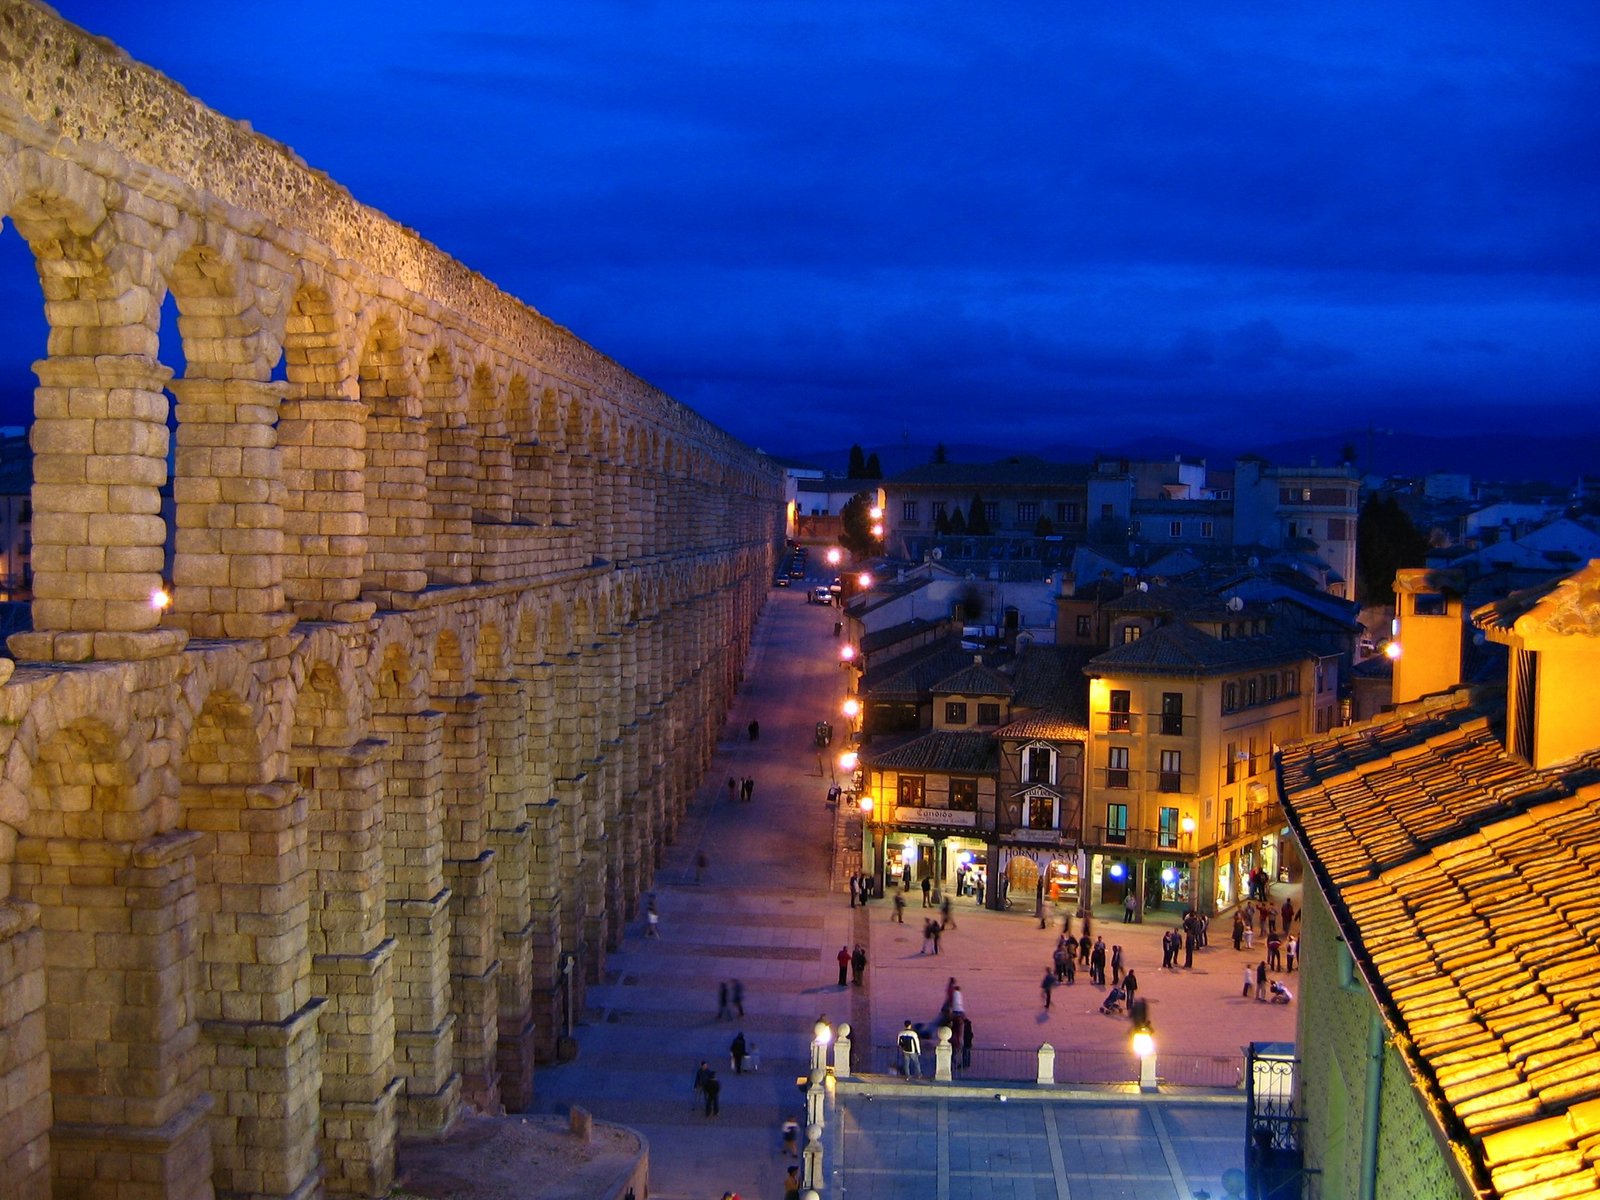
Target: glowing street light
847, 652
1187, 824
864, 579
877, 530
1392, 650
834, 556
875, 512
1144, 1048
160, 599
848, 761
866, 805
851, 708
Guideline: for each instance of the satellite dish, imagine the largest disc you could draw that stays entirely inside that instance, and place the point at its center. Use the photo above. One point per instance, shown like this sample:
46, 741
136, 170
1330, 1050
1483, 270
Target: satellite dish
1143, 586
1254, 561
938, 553
1235, 604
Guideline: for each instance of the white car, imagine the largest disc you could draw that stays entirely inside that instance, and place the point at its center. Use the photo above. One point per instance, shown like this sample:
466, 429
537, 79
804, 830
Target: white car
821, 595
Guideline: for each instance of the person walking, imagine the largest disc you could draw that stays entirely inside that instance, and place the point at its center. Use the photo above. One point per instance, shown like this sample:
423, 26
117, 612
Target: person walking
737, 996
754, 730
1288, 914
723, 992
791, 1183
749, 789
732, 786
852, 891
713, 1093
910, 1047
1060, 959
1130, 984
702, 1073
844, 964
1046, 986
966, 1044
1130, 908
791, 1138
858, 964
700, 865
1072, 968
1116, 965
652, 919
1249, 981
927, 935
935, 930
1261, 980
900, 907
948, 921
927, 890
737, 1049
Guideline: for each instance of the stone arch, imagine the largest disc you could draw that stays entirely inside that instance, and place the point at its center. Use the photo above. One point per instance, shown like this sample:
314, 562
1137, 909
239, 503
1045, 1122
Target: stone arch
451, 470
449, 671
394, 478
490, 660
522, 420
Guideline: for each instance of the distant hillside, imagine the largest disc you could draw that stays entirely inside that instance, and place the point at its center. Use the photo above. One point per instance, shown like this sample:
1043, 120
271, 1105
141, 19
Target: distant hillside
1498, 456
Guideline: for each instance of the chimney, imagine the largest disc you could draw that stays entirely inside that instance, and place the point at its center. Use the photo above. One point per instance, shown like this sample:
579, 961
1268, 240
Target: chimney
1430, 632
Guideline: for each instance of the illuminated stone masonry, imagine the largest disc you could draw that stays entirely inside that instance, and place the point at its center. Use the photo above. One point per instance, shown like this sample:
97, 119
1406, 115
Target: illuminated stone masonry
458, 606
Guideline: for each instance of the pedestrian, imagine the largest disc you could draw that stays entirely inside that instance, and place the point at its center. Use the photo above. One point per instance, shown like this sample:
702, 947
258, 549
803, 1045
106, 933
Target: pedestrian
652, 919
905, 877
1046, 986
966, 1043
944, 912
858, 963
1097, 962
1038, 901
1290, 949
900, 907
1116, 965
1274, 952
958, 1002
791, 1183
852, 891
1085, 944
927, 935
713, 1092
1249, 981
723, 992
1188, 950
738, 996
844, 963
1166, 949
1088, 918
1261, 980
1238, 931
749, 789
1072, 968
737, 1049
1288, 913
1130, 984
935, 929
731, 787
791, 1138
1060, 960
1130, 907
754, 729
927, 889
910, 1046
702, 1073
700, 865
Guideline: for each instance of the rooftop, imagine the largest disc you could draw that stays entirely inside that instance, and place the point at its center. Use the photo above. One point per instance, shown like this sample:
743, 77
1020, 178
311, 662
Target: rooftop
1181, 649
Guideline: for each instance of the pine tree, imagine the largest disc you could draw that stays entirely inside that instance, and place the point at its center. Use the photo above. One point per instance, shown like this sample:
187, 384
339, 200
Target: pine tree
1386, 541
873, 470
858, 464
977, 517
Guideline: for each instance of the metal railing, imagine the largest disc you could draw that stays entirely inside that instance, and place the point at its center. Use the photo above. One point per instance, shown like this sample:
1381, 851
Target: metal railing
1072, 1066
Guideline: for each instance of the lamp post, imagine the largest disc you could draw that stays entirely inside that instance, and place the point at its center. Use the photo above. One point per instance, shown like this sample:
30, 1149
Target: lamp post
1144, 1046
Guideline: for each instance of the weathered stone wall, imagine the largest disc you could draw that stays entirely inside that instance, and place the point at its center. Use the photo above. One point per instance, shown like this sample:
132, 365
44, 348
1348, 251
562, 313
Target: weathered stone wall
293, 865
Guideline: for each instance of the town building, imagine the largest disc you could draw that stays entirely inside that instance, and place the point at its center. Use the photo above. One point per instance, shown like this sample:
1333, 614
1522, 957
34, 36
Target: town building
1450, 938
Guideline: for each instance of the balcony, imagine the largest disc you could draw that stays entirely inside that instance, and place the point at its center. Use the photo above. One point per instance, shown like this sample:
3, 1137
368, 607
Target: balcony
1143, 839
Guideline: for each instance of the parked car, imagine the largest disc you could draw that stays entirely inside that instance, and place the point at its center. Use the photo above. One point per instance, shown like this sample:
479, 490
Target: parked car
781, 581
821, 595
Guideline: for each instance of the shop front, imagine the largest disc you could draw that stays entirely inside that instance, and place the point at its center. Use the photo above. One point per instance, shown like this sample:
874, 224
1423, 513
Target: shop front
947, 851
1023, 868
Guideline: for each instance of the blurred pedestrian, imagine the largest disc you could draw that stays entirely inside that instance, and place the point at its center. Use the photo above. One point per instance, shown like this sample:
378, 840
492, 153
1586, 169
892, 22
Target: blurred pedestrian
858, 964
713, 1093
1046, 986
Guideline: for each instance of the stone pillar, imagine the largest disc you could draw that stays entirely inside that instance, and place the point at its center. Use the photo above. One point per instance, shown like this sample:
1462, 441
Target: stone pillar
258, 1020
396, 500
24, 1063
352, 964
494, 499
418, 918
100, 457
452, 481
228, 491
129, 1104
531, 483
469, 872
322, 443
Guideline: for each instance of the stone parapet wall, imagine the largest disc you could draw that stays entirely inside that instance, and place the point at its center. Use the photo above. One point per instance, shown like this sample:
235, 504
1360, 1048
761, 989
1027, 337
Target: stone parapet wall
310, 859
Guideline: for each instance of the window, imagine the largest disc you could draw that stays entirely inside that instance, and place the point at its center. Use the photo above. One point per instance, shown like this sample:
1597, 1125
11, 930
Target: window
1272, 687
1027, 514
1291, 682
1117, 766
964, 794
1131, 633
908, 512
1067, 512
1175, 529
955, 712
940, 509
1254, 756
1038, 765
1117, 824
1428, 604
1231, 766
1041, 812
1207, 530
1252, 687
1167, 829
1135, 528
1121, 709
1171, 778
911, 791
1172, 714
1083, 625
1227, 631
991, 512
1339, 529
988, 714
1230, 697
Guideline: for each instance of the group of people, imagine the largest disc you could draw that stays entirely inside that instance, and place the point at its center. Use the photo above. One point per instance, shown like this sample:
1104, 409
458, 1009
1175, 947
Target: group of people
952, 1016
741, 789
1090, 951
860, 888
730, 999
852, 963
1267, 990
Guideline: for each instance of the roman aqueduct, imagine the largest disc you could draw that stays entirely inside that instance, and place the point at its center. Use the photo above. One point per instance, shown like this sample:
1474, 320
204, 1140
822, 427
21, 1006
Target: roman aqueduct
293, 866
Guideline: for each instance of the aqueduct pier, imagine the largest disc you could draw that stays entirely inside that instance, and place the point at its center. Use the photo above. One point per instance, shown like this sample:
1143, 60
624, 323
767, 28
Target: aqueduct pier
294, 866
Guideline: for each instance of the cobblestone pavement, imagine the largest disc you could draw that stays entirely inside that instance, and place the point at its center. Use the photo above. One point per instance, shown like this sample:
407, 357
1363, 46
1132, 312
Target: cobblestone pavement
763, 914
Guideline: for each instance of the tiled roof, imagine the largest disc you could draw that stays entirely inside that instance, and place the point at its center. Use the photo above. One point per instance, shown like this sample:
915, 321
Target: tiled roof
1562, 607
881, 638
1180, 649
940, 750
913, 675
1464, 880
975, 680
1050, 681
1048, 726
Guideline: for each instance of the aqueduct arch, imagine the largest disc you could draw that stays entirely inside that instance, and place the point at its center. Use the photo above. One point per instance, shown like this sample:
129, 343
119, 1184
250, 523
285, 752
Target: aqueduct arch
291, 867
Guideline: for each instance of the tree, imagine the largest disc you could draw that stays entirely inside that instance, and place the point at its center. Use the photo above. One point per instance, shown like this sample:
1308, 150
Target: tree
958, 523
873, 470
978, 517
855, 526
941, 522
1386, 541
940, 455
858, 464
1043, 527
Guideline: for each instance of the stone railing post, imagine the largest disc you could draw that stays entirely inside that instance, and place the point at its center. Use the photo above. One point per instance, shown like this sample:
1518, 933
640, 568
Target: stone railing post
1047, 1064
811, 1158
942, 1056
841, 1053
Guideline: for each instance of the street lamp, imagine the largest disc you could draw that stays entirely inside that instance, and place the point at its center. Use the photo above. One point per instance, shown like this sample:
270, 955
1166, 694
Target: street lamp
834, 556
875, 512
847, 652
821, 1036
864, 579
866, 806
851, 708
1144, 1047
848, 762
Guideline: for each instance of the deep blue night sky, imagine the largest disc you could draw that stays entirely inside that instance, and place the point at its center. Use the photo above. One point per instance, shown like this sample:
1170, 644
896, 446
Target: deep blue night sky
1012, 222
